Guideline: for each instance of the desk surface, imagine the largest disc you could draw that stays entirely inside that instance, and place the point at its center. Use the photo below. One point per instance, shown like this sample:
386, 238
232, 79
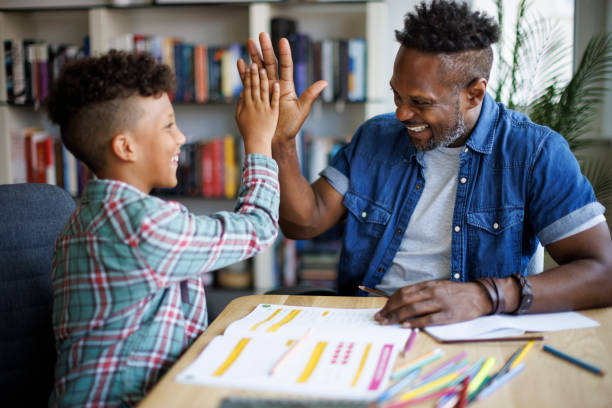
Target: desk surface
546, 381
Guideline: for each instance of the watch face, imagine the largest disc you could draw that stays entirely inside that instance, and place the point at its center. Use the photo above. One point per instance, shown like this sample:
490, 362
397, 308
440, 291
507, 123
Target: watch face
526, 294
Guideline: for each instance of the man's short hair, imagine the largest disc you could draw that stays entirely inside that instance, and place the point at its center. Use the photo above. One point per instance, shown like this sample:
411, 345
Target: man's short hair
460, 36
90, 99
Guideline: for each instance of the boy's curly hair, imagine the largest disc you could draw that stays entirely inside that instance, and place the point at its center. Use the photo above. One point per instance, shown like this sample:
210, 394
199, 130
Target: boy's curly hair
462, 36
90, 99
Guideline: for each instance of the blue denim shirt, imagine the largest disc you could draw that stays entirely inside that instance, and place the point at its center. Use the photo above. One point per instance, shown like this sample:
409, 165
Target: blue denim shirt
522, 185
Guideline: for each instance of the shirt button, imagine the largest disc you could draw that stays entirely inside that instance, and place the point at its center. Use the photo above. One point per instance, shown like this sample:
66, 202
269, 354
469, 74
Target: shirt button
463, 180
495, 225
418, 187
399, 231
457, 228
381, 269
456, 276
364, 214
466, 150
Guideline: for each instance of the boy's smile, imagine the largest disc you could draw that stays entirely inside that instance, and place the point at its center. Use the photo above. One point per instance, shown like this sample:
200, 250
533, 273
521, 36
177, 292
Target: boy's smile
158, 143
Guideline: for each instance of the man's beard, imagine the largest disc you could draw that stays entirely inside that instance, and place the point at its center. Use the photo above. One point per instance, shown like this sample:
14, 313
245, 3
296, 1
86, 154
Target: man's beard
450, 133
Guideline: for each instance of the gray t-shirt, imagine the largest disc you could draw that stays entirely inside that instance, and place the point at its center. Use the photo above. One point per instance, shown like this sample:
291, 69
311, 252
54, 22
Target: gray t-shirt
424, 253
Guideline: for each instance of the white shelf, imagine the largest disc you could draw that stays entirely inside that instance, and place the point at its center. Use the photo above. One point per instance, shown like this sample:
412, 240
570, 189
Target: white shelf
212, 24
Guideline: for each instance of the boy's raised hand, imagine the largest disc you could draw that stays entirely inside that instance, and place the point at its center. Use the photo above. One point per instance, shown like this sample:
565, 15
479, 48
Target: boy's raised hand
293, 110
257, 111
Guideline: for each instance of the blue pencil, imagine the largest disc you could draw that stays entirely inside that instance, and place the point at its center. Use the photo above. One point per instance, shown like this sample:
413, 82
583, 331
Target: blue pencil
501, 380
574, 360
399, 386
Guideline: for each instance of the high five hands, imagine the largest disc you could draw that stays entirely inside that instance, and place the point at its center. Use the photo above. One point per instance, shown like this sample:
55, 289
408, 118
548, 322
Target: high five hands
293, 110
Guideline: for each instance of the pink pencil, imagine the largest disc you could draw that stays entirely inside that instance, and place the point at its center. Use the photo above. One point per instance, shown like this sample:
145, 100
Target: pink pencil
409, 342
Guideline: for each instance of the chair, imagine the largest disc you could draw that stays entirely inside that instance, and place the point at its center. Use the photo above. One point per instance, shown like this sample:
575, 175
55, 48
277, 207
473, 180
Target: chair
31, 218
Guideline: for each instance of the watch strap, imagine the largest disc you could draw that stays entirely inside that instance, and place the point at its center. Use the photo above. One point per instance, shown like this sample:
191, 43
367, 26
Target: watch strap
526, 294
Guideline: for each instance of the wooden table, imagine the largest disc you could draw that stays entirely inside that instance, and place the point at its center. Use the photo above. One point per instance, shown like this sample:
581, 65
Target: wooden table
546, 381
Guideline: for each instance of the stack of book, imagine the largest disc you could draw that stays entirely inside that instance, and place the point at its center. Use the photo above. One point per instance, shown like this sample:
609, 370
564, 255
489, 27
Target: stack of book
40, 157
340, 62
204, 73
207, 169
32, 65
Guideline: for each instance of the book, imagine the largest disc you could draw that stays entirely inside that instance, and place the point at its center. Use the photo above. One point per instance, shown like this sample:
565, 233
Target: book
496, 326
343, 353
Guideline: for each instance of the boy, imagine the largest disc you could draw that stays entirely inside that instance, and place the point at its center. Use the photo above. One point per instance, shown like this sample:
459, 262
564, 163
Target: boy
127, 271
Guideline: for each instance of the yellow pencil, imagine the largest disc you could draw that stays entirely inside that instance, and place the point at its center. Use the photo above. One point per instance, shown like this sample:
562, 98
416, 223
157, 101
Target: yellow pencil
433, 386
482, 373
522, 354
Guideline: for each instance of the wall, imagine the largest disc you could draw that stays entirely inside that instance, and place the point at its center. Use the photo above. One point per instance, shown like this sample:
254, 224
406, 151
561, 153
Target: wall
593, 17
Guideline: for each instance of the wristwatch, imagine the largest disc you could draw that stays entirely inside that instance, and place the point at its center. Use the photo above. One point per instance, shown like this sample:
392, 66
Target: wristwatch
526, 294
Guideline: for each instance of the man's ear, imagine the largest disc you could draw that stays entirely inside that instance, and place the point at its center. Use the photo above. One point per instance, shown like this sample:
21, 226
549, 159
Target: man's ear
123, 147
475, 92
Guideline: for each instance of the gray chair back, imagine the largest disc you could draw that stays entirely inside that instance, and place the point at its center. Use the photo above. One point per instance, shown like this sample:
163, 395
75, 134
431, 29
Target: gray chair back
31, 217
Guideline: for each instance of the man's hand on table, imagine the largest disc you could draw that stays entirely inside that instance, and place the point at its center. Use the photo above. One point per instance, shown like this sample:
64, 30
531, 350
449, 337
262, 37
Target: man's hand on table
435, 302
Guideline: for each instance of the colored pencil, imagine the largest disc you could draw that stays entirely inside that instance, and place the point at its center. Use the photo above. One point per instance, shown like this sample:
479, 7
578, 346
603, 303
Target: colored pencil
444, 365
522, 354
409, 342
434, 386
480, 376
292, 350
394, 389
524, 338
501, 380
419, 362
574, 360
373, 291
417, 400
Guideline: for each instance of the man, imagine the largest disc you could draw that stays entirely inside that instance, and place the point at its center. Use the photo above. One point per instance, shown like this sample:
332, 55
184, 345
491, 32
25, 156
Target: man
446, 201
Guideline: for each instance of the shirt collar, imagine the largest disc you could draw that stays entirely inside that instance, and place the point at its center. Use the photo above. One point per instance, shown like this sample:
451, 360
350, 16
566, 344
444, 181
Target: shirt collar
481, 139
103, 189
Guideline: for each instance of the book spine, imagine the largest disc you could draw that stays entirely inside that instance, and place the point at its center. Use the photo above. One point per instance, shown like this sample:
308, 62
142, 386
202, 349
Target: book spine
8, 71
19, 78
230, 166
178, 72
188, 72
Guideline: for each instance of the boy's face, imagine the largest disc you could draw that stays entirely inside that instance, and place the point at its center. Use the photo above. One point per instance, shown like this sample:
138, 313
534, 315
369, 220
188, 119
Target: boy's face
158, 142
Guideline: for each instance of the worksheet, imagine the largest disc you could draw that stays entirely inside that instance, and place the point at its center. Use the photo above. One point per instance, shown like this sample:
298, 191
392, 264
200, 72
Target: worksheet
319, 352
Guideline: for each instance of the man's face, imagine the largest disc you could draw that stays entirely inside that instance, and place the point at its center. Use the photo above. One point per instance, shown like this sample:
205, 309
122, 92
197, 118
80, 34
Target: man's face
430, 109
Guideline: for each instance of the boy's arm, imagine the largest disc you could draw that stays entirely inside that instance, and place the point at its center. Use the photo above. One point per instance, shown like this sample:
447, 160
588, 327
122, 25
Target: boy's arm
179, 244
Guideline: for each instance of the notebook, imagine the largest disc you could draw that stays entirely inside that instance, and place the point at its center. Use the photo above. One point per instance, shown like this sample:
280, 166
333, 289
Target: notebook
490, 327
346, 355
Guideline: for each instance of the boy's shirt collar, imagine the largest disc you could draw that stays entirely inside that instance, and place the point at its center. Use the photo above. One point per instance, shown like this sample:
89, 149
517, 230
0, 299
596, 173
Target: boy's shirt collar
100, 189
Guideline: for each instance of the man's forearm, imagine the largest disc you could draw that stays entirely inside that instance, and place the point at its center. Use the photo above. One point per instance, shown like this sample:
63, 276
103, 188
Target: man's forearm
298, 205
581, 284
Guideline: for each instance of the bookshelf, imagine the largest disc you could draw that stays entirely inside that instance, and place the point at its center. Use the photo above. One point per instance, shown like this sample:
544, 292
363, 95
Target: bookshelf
218, 23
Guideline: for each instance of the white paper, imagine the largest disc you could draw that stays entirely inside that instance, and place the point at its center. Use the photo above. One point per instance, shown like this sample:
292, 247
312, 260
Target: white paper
495, 326
346, 355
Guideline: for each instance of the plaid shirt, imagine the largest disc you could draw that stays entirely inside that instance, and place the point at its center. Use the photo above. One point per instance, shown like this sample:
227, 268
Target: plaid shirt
127, 282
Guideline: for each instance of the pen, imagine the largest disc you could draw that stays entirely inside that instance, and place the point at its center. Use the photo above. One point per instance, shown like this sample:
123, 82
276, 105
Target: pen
574, 360
292, 350
373, 291
409, 342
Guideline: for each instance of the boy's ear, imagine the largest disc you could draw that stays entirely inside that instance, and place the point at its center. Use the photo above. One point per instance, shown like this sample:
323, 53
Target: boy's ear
123, 147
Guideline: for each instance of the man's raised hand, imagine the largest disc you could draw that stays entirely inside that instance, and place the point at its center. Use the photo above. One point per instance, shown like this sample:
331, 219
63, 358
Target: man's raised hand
293, 110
